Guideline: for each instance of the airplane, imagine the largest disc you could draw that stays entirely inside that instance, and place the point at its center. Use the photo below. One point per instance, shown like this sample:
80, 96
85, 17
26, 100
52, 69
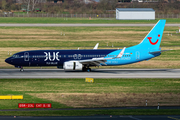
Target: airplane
83, 59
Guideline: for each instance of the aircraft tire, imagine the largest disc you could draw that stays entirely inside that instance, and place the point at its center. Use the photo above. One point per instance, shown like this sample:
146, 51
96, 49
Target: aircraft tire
84, 69
88, 69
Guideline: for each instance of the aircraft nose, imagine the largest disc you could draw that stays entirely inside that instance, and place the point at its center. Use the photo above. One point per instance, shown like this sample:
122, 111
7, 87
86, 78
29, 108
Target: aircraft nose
8, 60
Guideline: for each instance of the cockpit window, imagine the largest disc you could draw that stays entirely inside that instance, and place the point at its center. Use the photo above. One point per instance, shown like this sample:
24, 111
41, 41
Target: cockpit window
15, 56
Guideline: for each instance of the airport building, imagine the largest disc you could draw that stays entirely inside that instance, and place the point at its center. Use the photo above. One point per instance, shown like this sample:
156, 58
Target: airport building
135, 14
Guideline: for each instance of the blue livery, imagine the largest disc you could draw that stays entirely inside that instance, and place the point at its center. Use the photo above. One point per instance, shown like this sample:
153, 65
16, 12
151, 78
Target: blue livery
84, 59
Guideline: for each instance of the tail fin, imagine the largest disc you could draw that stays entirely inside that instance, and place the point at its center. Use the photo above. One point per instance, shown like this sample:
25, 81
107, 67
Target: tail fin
153, 38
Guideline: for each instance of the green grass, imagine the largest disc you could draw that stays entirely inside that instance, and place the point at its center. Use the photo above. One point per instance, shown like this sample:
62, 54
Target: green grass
26, 87
80, 36
172, 55
90, 112
59, 44
22, 86
101, 86
77, 20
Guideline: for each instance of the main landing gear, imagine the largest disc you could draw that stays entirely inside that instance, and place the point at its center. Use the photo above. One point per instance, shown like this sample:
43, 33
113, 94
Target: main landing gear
86, 69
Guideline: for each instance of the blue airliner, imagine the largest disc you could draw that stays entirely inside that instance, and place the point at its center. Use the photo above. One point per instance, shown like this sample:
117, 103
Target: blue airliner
84, 59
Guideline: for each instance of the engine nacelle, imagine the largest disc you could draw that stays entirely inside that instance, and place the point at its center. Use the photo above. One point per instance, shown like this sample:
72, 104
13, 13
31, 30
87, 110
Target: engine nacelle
72, 65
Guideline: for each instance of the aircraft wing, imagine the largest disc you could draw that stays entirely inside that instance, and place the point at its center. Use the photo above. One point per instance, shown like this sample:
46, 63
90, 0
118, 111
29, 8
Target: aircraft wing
94, 61
96, 46
99, 61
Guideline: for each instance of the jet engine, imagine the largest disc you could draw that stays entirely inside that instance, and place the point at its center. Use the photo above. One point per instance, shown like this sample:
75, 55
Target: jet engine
72, 65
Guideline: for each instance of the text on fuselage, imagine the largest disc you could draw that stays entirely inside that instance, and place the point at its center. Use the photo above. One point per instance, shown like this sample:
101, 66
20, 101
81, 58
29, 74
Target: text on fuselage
52, 57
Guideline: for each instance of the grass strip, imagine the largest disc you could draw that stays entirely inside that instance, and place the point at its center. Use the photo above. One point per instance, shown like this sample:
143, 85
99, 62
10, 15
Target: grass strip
91, 112
78, 20
69, 93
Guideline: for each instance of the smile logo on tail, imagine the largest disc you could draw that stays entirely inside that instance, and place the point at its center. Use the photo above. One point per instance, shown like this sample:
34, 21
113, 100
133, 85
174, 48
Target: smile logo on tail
151, 41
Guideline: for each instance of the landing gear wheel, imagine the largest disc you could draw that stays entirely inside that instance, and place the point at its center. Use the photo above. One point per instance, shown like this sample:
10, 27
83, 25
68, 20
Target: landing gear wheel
88, 69
84, 69
21, 69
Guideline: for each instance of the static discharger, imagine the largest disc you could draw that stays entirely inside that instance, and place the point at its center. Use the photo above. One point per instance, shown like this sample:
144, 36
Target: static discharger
91, 80
11, 97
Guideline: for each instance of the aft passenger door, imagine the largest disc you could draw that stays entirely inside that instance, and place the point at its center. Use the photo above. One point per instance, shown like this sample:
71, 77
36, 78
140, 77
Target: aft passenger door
26, 56
137, 55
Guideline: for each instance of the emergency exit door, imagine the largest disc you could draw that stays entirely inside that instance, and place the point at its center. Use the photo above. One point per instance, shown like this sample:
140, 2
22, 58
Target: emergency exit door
137, 55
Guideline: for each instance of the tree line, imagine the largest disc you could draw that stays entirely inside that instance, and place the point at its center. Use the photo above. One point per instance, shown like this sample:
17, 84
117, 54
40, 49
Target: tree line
79, 7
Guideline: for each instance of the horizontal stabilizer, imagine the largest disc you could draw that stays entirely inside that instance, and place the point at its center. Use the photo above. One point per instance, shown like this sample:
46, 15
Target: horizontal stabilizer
158, 51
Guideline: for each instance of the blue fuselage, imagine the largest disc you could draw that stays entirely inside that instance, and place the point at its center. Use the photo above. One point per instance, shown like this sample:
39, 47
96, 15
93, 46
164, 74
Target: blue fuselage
58, 57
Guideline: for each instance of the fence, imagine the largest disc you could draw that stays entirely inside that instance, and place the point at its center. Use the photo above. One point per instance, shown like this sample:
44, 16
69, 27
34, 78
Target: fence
167, 15
58, 15
77, 15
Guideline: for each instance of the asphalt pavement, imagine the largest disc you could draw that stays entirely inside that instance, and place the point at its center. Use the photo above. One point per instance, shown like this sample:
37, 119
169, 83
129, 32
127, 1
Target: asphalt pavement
99, 117
95, 73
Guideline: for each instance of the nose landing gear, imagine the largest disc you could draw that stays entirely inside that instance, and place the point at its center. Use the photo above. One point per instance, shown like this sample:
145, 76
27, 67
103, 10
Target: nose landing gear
21, 69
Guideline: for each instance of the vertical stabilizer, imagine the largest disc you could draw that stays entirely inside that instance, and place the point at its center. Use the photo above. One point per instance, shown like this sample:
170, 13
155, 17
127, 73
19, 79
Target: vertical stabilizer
153, 38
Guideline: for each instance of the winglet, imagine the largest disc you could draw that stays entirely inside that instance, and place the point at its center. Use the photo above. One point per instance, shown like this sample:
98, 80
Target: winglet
121, 53
96, 46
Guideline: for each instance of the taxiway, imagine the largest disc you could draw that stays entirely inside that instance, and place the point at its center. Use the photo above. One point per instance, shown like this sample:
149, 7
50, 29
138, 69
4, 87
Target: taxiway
98, 117
95, 73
